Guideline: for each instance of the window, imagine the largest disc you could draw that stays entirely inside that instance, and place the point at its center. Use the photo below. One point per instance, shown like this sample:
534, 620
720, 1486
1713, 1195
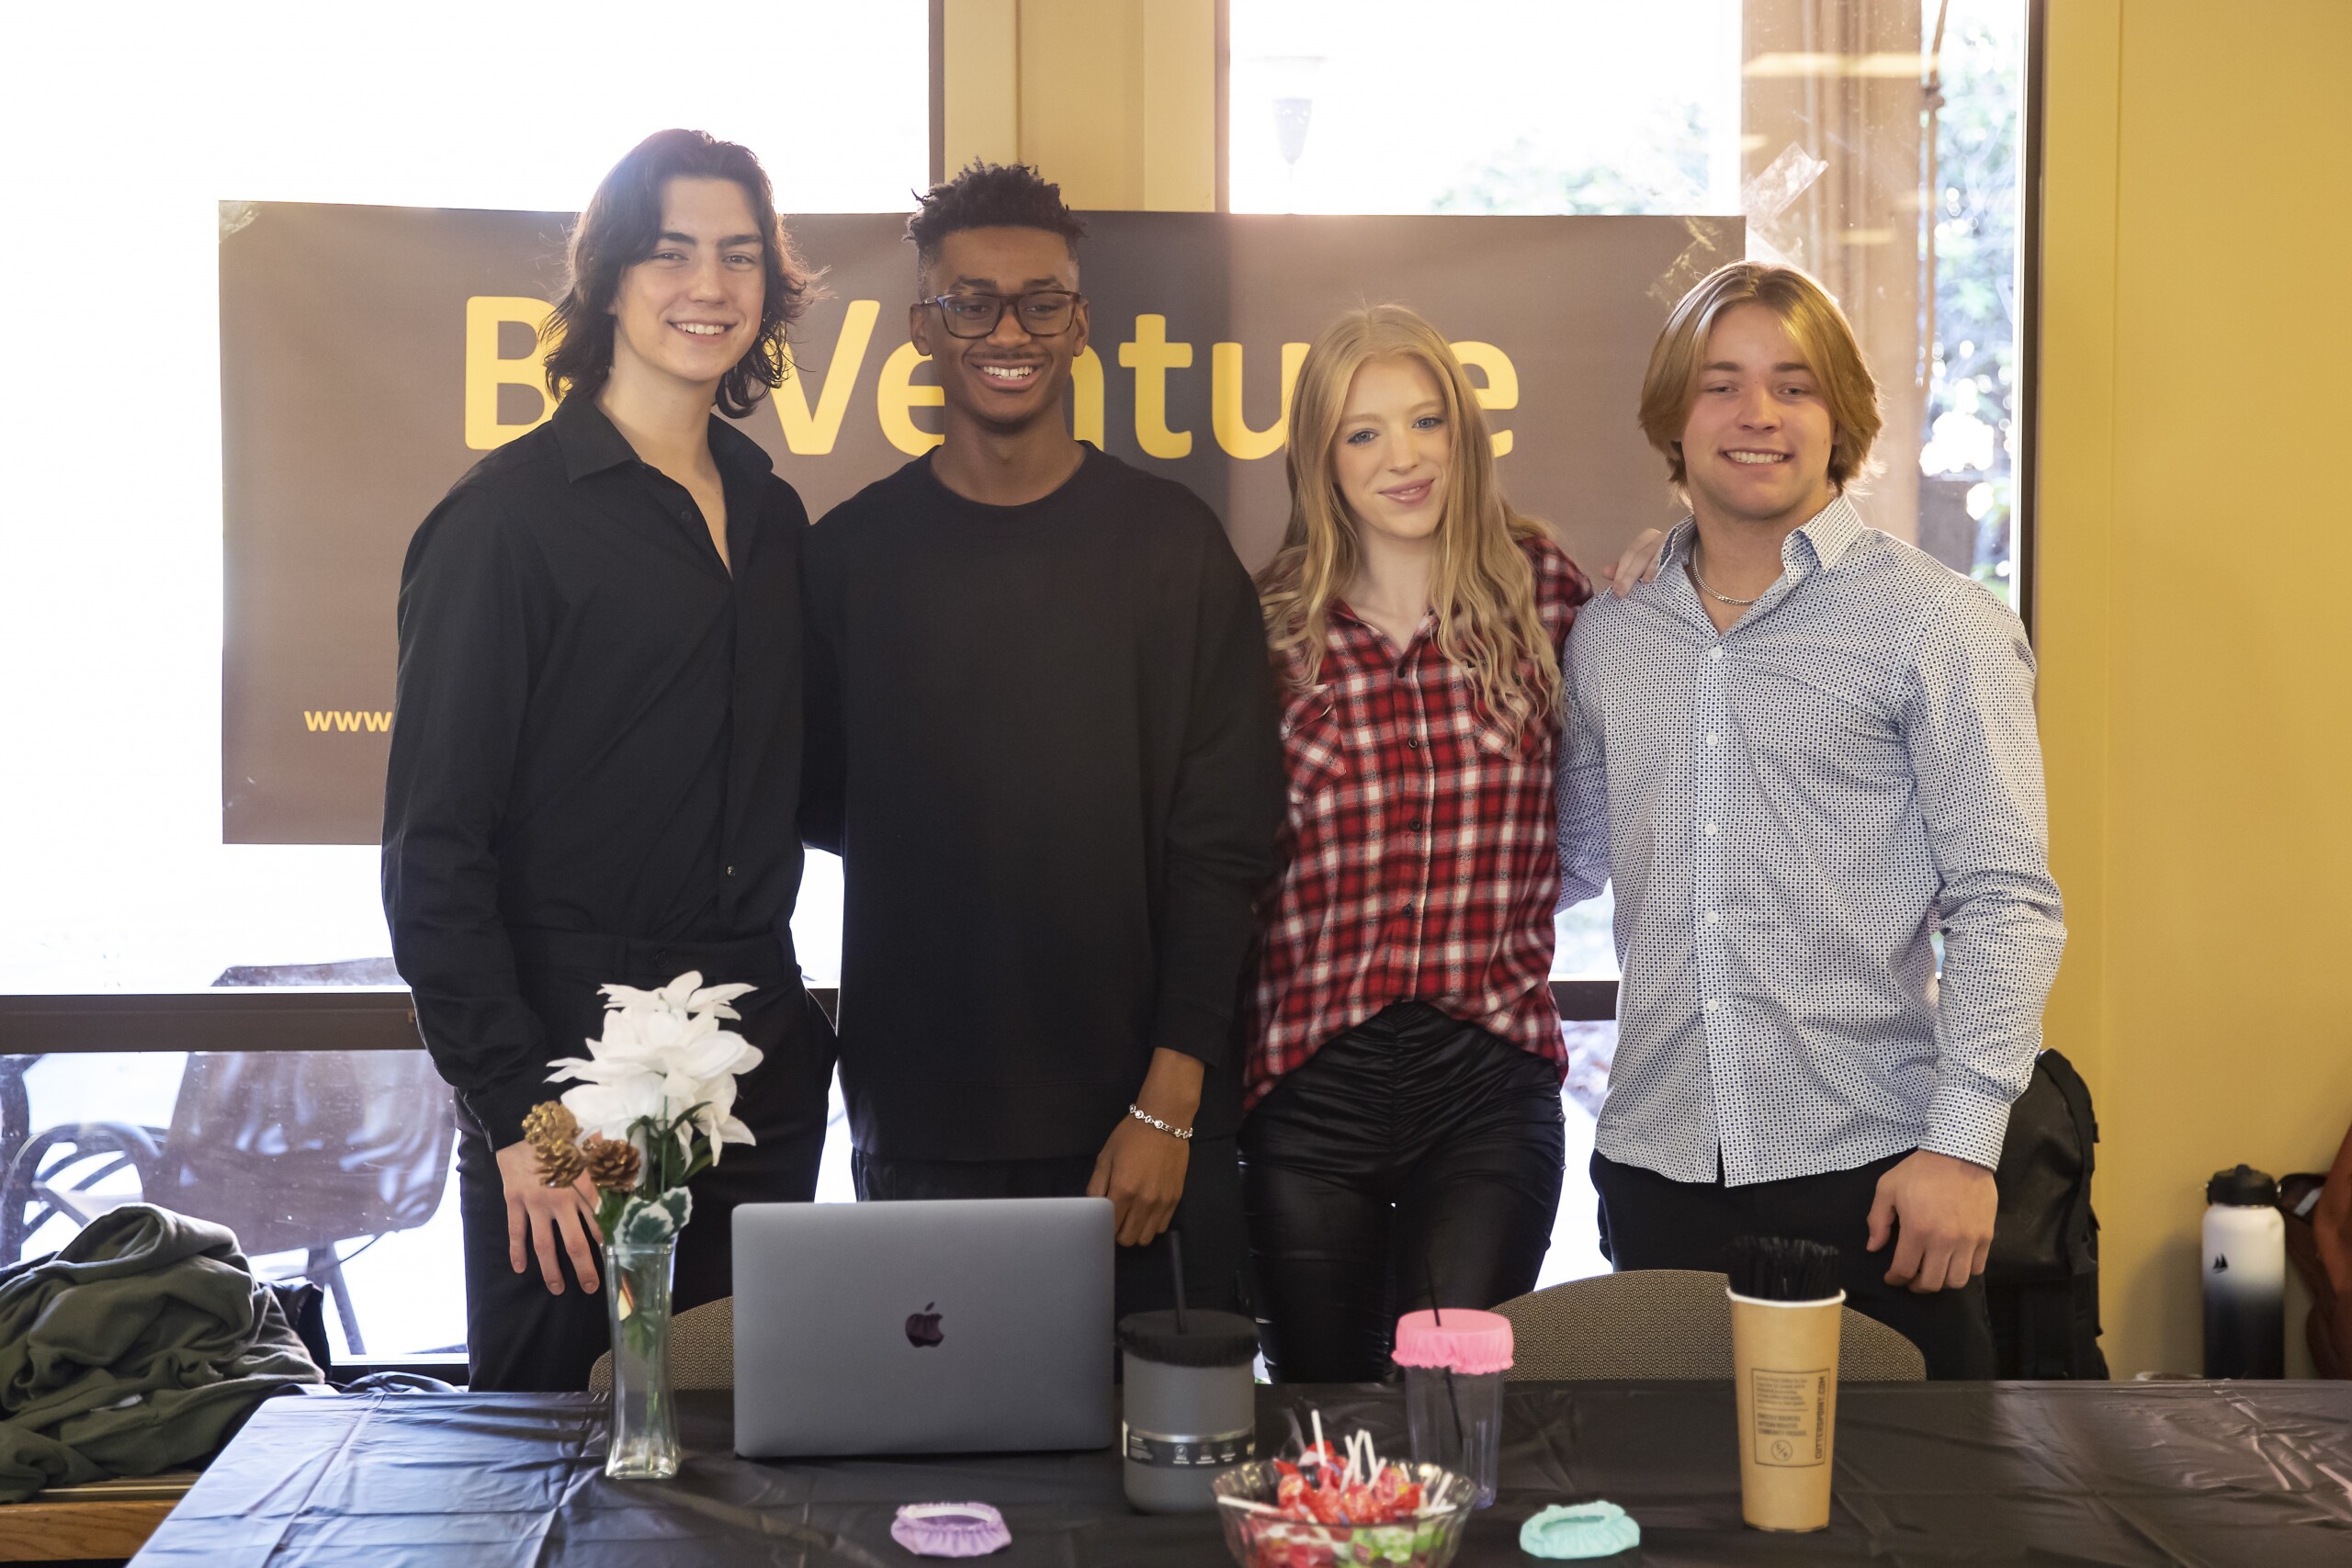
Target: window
129, 128
1876, 144
117, 875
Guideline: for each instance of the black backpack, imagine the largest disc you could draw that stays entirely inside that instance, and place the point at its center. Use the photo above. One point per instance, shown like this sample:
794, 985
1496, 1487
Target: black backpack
2042, 1279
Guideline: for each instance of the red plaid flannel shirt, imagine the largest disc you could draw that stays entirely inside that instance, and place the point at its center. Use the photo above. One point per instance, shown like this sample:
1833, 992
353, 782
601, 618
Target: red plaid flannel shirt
1420, 849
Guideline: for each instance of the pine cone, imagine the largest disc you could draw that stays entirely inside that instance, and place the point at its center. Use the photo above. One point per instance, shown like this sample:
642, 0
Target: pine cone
613, 1164
553, 1133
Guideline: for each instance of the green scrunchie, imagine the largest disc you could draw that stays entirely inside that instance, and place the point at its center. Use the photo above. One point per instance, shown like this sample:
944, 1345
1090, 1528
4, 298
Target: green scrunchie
1587, 1530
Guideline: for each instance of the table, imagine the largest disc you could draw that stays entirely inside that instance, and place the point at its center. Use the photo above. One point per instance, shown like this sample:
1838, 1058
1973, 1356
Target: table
2109, 1473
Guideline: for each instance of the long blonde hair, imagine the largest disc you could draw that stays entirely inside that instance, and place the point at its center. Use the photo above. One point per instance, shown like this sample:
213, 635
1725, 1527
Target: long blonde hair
1482, 589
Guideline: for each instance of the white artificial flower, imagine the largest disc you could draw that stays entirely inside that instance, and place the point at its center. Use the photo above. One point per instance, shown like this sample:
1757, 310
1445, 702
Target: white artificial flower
608, 1110
663, 1053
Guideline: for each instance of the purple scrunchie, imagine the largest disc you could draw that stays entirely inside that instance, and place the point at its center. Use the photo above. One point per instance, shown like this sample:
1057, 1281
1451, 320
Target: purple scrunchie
950, 1529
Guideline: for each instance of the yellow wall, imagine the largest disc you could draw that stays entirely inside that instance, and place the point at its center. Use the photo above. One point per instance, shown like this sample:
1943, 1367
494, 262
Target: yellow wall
1116, 100
2196, 552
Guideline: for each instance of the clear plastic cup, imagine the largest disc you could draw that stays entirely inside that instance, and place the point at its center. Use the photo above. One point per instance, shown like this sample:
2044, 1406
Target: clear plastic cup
1456, 1423
1455, 1363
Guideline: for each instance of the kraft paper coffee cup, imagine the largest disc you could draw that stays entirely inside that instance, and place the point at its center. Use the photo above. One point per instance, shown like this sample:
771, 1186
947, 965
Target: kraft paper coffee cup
1784, 1373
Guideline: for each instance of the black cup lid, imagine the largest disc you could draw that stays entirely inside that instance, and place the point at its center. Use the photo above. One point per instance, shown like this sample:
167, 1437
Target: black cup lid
2242, 1187
1212, 1338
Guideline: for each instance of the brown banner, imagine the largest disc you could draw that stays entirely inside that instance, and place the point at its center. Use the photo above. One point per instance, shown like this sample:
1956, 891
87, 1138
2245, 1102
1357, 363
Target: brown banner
370, 354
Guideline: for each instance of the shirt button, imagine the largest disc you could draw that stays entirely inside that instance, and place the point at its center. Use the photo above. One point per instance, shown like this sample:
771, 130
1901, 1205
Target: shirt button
1712, 917
1414, 826
1712, 738
730, 871
1710, 829
1412, 743
1714, 653
1712, 1004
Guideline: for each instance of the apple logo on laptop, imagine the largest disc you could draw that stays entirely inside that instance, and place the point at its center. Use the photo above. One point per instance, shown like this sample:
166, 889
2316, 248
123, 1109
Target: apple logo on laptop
923, 1327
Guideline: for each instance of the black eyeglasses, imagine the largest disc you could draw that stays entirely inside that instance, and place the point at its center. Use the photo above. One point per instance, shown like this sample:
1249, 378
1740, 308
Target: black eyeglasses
1042, 312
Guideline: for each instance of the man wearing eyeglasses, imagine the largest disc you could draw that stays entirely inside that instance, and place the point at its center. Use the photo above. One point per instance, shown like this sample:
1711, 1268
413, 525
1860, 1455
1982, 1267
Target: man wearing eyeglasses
1041, 737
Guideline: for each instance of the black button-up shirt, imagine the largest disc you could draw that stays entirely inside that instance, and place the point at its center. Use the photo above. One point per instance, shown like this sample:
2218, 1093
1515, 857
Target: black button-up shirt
598, 730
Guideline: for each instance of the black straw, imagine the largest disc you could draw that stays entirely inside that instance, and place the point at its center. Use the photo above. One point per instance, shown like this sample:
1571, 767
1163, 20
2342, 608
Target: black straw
1437, 1319
1779, 1268
1176, 1268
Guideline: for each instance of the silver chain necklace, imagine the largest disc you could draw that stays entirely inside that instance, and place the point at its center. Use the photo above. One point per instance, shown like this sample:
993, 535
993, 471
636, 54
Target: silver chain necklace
1723, 598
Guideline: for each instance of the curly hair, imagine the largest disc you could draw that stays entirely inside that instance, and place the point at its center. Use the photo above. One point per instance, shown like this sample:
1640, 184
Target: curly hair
619, 229
989, 196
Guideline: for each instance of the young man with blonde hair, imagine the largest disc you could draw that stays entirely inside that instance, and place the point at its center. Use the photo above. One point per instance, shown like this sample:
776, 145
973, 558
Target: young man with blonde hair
1801, 752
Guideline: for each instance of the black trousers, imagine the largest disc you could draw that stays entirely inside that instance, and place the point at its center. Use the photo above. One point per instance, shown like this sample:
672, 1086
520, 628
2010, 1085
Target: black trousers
519, 1337
1208, 1215
1649, 1221
1414, 1160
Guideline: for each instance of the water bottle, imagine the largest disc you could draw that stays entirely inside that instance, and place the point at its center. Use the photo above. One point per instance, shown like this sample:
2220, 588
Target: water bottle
2245, 1276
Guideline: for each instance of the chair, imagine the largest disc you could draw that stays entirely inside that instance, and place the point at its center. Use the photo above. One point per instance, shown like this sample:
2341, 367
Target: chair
295, 1151
702, 1351
16, 1126
1671, 1323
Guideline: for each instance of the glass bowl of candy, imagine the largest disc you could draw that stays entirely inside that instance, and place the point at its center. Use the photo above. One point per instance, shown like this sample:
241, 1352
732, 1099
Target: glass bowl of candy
1405, 1516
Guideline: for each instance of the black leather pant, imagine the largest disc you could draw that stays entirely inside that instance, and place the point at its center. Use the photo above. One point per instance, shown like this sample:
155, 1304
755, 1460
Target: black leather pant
1414, 1160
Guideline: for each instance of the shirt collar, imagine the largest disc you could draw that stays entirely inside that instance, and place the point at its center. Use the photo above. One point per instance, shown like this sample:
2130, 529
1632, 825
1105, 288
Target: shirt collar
1833, 530
1829, 534
591, 444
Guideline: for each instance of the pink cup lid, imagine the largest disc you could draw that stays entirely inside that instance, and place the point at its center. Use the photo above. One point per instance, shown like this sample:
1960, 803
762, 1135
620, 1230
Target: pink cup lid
1465, 1342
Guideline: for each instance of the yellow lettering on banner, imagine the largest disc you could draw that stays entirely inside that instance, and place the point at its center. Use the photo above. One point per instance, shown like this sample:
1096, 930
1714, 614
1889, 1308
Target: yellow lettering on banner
1151, 355
346, 720
811, 433
1086, 397
1502, 390
486, 372
1225, 417
897, 398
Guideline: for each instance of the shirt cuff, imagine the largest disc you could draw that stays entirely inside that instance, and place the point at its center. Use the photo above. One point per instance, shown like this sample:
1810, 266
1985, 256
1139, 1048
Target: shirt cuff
499, 1108
1194, 1030
1966, 1123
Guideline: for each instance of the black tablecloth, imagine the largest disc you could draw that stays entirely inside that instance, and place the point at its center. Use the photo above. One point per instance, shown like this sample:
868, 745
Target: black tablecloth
2219, 1474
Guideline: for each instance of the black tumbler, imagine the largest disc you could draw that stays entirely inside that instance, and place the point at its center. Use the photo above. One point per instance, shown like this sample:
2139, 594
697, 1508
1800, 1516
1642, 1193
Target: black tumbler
1190, 1405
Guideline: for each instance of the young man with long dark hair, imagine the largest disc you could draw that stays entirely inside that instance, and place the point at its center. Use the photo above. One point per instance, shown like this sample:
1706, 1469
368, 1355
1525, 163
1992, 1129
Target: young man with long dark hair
1802, 752
1042, 739
596, 739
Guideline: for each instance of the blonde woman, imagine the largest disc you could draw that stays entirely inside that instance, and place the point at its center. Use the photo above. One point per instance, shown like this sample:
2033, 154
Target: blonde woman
1403, 1138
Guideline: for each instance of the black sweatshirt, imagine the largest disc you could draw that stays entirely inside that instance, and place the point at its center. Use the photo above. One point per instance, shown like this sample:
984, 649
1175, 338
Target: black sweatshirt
1042, 739
596, 728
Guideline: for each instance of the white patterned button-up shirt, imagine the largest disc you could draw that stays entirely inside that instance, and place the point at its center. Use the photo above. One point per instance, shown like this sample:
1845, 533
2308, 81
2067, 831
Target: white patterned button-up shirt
1791, 810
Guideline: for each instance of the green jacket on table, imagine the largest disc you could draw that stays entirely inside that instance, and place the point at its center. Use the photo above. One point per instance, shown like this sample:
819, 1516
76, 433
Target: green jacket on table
140, 1344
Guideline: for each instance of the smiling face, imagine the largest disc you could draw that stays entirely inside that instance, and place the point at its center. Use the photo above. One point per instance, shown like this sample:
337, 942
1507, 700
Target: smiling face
1011, 378
1756, 441
690, 311
1392, 451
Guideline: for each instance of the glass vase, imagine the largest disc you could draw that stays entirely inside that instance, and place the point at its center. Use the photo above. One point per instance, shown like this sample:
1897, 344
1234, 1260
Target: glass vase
644, 1441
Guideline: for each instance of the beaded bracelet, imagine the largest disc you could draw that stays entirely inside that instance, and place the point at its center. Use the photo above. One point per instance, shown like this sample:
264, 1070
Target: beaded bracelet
1149, 1120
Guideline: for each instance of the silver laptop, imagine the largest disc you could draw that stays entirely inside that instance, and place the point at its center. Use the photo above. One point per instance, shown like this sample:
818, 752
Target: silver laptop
923, 1327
